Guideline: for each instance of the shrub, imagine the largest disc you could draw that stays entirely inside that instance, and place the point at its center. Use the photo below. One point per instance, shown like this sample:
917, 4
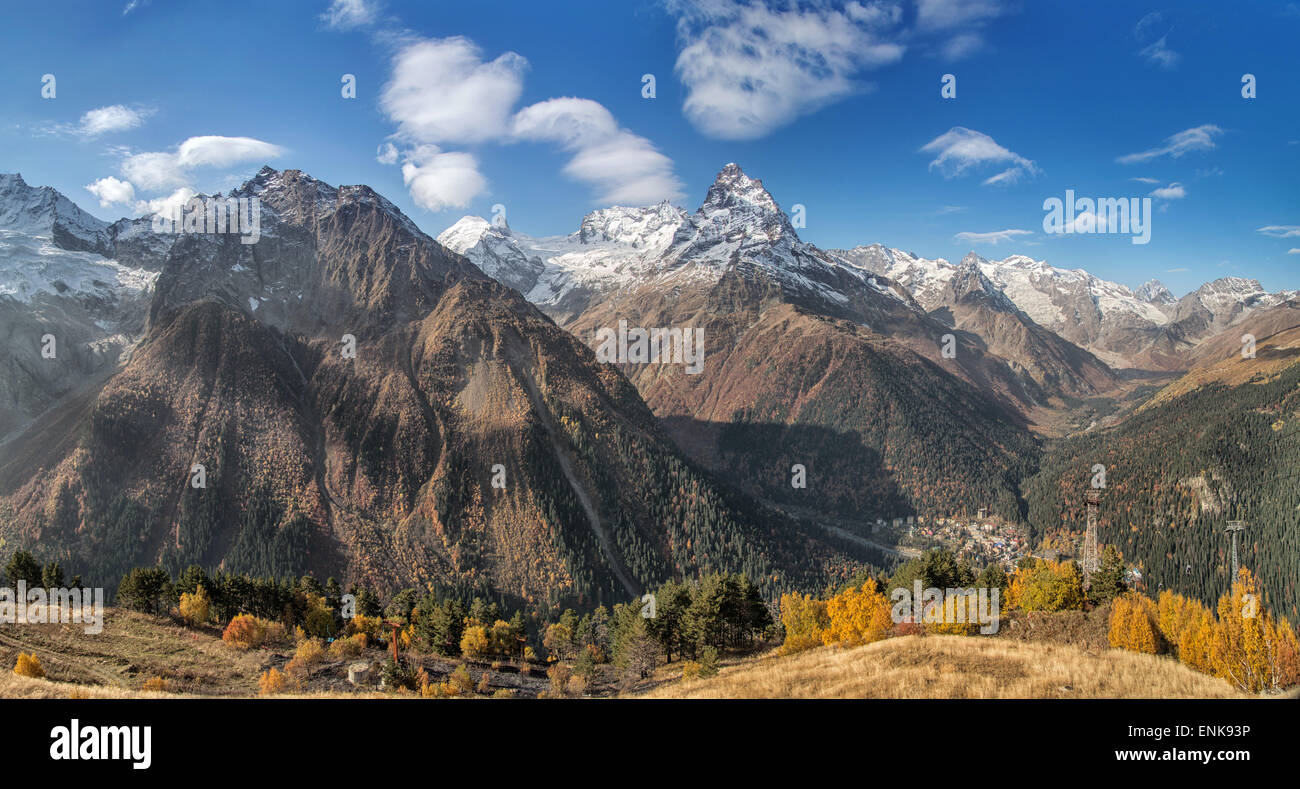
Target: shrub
309, 653
348, 647
245, 631
461, 679
157, 683
504, 693
708, 661
29, 666
577, 684
194, 607
485, 682
559, 675
371, 626
398, 675
272, 682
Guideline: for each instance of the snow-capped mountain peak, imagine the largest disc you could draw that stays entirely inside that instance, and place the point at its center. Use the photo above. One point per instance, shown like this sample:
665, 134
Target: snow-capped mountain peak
1153, 291
635, 227
45, 212
738, 204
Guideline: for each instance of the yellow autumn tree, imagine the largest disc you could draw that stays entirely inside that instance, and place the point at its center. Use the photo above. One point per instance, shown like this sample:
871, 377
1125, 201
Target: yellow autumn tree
1188, 626
1045, 585
858, 615
1249, 649
1132, 624
804, 618
194, 607
474, 642
1195, 640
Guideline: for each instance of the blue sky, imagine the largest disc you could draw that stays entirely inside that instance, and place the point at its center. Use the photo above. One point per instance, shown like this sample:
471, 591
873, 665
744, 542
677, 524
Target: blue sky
539, 107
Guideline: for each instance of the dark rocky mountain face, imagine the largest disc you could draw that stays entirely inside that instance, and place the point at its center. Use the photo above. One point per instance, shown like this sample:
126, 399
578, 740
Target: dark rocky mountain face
1053, 366
457, 438
809, 361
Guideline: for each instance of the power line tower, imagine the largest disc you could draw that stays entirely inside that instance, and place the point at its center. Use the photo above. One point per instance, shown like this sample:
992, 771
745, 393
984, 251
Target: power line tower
1233, 528
1091, 557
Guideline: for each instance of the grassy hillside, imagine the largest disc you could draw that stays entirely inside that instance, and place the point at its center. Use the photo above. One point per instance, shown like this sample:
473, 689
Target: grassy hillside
134, 648
941, 667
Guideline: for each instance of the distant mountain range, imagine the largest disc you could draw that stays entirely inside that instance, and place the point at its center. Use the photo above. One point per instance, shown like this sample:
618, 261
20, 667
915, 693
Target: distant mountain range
467, 443
475, 442
1145, 328
834, 359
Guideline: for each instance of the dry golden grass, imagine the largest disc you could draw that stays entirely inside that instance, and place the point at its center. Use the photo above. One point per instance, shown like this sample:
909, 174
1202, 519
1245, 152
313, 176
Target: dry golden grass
953, 667
134, 649
13, 686
131, 649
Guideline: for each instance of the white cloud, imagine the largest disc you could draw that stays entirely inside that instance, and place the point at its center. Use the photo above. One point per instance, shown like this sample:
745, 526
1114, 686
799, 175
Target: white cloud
386, 153
1280, 231
962, 46
154, 171
109, 190
1156, 52
1146, 180
1197, 138
993, 237
165, 205
964, 17
625, 168
1178, 270
749, 68
1004, 178
1174, 191
1160, 54
438, 181
960, 150
114, 118
1293, 251
350, 14
948, 14
441, 91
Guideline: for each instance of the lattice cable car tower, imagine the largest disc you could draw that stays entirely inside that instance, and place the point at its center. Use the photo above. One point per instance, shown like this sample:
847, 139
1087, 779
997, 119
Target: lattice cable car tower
1233, 528
1091, 557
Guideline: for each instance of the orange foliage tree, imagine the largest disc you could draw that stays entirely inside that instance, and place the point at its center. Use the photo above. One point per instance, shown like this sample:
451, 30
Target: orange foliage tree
1249, 649
1133, 624
857, 616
